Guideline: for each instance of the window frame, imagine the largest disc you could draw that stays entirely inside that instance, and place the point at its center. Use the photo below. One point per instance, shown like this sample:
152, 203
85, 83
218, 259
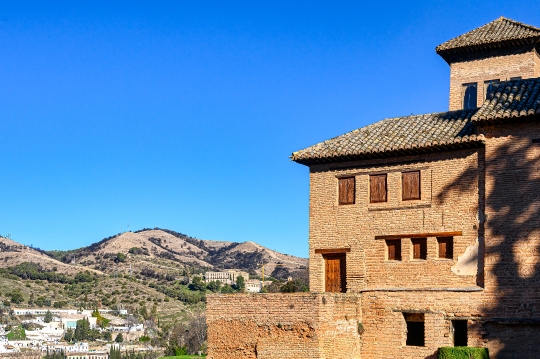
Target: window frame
414, 320
449, 247
403, 174
344, 180
398, 253
422, 248
385, 175
464, 88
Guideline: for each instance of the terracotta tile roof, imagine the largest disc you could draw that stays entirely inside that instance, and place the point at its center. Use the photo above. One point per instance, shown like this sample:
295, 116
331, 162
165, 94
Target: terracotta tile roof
511, 99
502, 30
393, 136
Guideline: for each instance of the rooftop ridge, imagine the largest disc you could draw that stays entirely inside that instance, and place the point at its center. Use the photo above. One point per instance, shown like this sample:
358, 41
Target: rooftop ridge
499, 31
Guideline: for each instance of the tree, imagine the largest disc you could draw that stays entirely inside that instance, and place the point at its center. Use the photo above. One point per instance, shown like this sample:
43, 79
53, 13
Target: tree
214, 286
119, 338
227, 289
16, 297
68, 335
31, 299
107, 336
294, 286
240, 283
48, 317
82, 330
197, 284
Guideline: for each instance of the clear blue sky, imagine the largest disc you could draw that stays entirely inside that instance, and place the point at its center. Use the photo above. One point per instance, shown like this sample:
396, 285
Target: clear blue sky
182, 115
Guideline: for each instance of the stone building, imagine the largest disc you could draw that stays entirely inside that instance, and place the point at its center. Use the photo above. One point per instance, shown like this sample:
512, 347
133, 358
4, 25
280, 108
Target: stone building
424, 230
227, 276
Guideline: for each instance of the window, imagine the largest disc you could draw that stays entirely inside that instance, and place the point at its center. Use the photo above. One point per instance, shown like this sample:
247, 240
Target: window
446, 247
517, 78
419, 248
377, 188
459, 327
394, 249
346, 190
410, 185
415, 329
488, 86
469, 96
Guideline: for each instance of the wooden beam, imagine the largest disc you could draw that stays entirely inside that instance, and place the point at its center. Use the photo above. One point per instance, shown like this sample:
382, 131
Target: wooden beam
332, 250
420, 235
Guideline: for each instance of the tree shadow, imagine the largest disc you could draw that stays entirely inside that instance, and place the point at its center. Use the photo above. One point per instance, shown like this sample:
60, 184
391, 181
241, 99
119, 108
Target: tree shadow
508, 185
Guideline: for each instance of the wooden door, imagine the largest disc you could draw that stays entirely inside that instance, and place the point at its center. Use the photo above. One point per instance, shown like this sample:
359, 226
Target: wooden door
335, 274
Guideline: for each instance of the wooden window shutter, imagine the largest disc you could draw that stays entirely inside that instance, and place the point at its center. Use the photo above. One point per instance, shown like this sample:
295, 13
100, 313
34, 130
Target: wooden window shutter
446, 247
377, 188
419, 248
410, 184
346, 190
394, 249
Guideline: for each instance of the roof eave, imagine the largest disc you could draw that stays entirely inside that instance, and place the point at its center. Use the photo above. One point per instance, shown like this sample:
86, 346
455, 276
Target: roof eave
393, 153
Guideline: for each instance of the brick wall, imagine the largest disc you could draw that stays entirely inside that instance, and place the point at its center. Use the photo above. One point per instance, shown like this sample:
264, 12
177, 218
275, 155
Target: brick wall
503, 67
441, 209
276, 326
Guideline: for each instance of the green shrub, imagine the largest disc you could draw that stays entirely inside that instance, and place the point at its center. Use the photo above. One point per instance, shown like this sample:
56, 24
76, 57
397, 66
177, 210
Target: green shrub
463, 353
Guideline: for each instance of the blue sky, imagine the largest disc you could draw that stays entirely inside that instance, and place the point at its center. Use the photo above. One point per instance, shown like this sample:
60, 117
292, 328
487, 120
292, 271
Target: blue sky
182, 115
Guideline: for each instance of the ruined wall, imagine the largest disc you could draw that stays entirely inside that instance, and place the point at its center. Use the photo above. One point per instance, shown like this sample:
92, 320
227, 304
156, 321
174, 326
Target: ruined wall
440, 209
503, 67
272, 326
386, 331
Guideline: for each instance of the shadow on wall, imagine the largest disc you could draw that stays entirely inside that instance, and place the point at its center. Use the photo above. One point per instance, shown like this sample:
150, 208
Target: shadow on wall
509, 249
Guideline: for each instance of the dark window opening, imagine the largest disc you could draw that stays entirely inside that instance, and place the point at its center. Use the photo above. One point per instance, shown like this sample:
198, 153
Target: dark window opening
415, 329
410, 185
394, 249
489, 86
419, 248
470, 96
460, 333
517, 78
446, 247
346, 190
536, 140
377, 188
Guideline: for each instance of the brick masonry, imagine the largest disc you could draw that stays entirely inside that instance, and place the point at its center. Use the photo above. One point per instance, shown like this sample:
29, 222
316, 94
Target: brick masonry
502, 67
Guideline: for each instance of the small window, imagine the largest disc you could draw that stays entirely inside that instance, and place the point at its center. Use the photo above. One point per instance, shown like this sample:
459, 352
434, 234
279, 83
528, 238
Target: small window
470, 96
394, 249
415, 329
517, 78
419, 248
489, 85
346, 190
377, 188
459, 328
410, 185
446, 247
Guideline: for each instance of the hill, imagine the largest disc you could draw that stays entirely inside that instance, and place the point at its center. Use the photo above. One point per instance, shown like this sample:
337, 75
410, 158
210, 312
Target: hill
162, 252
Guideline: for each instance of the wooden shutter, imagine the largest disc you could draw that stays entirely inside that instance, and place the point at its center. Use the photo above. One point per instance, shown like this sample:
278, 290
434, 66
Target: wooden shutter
419, 248
377, 188
335, 274
410, 184
394, 249
446, 247
346, 190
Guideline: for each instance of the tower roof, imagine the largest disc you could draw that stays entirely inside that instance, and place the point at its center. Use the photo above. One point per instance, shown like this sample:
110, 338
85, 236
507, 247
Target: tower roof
499, 33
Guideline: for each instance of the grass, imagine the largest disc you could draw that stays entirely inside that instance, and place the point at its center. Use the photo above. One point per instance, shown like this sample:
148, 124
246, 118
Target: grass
184, 357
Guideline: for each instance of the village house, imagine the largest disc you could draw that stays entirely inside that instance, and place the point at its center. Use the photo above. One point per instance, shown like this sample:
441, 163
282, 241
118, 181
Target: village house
424, 229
